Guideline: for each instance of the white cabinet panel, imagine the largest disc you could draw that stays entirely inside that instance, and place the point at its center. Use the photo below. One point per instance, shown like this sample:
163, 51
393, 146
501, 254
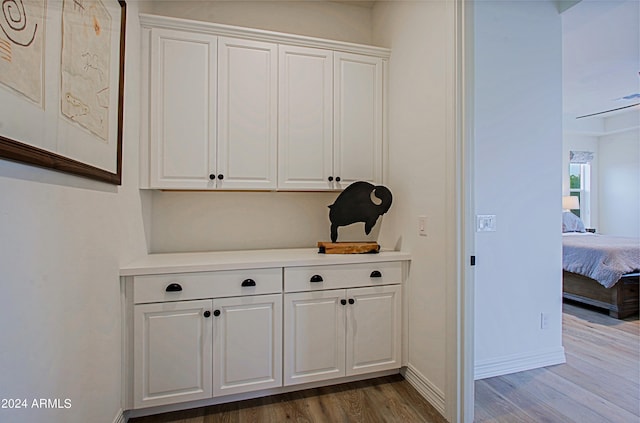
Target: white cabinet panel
305, 118
172, 352
358, 118
247, 351
314, 336
373, 329
247, 114
182, 116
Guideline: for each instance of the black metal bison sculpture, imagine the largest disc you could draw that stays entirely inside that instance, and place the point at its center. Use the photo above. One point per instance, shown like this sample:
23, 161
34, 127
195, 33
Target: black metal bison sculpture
359, 202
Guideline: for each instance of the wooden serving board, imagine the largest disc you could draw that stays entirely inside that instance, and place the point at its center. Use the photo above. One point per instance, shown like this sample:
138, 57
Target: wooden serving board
348, 247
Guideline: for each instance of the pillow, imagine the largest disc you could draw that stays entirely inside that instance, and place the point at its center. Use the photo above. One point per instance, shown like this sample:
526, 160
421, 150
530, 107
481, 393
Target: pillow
571, 223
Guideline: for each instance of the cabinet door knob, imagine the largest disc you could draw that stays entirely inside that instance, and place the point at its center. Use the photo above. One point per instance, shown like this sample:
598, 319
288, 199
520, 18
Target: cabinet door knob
337, 179
343, 302
248, 282
212, 176
330, 178
173, 287
351, 301
221, 176
216, 313
316, 278
207, 313
376, 274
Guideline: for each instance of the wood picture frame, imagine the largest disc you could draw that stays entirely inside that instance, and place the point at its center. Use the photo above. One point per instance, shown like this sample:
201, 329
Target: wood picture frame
62, 85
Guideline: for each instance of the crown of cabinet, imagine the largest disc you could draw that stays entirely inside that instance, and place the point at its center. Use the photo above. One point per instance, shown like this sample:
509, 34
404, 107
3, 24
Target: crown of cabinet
258, 110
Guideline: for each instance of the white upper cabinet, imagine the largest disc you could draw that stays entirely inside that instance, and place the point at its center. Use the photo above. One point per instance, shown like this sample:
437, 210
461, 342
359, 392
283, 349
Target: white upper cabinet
247, 113
241, 109
305, 120
358, 118
182, 109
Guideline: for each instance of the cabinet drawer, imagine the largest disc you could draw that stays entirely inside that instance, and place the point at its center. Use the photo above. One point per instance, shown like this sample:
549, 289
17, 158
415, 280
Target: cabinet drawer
190, 286
341, 276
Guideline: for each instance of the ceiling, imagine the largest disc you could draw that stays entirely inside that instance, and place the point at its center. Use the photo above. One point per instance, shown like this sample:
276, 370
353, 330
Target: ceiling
601, 56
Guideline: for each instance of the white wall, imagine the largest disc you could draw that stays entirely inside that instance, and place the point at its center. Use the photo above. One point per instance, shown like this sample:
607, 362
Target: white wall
420, 35
518, 148
63, 240
619, 184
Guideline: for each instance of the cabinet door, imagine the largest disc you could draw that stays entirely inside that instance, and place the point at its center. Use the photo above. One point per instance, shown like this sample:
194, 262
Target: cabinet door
305, 118
247, 114
247, 344
183, 109
357, 118
314, 336
172, 352
373, 329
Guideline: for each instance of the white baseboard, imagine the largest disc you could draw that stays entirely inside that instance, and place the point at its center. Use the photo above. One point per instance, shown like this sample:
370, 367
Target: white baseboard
120, 417
424, 386
519, 362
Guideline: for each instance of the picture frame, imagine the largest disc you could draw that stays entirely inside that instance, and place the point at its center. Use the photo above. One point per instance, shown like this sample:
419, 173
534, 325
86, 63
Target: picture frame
62, 85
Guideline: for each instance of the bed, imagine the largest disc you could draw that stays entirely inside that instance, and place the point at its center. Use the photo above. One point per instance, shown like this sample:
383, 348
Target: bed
600, 270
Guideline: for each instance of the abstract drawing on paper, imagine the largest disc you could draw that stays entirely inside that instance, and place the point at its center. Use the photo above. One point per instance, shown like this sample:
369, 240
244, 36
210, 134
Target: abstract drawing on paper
85, 64
22, 47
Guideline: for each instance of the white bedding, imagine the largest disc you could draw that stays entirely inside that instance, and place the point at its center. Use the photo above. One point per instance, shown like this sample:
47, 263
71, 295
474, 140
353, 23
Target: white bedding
601, 257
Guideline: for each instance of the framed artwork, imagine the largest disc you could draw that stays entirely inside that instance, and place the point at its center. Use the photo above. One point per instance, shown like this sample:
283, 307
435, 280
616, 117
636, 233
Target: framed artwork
62, 85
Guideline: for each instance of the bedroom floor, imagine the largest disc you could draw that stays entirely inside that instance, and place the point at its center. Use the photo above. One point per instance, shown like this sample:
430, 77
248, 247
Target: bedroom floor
600, 382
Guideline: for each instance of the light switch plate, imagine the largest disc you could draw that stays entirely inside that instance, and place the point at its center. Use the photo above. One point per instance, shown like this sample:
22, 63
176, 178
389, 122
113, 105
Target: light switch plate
422, 225
486, 223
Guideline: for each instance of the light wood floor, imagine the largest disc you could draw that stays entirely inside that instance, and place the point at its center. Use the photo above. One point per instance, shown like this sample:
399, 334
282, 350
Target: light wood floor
599, 383
387, 399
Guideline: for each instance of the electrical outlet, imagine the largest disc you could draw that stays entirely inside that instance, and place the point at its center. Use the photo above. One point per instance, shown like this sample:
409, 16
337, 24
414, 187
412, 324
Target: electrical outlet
544, 320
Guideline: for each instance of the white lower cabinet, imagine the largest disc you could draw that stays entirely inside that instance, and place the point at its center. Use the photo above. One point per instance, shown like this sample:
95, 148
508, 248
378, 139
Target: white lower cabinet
172, 352
191, 350
233, 333
341, 332
247, 344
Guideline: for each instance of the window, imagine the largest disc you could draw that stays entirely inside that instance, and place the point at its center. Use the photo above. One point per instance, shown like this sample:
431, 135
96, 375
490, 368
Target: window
580, 186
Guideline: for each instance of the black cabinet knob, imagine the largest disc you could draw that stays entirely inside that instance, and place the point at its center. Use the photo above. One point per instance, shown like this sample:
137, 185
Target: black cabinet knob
376, 274
316, 278
221, 176
343, 302
337, 179
207, 313
351, 301
212, 176
216, 313
173, 287
330, 178
248, 282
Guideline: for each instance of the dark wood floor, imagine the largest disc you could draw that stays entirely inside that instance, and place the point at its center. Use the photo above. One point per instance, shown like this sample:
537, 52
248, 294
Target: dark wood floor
599, 383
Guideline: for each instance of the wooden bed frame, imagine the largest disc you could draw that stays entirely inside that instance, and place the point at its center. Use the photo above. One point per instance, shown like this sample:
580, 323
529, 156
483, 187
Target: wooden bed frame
621, 300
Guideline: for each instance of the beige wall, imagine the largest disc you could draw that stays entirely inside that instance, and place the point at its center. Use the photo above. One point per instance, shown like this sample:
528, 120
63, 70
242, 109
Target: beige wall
322, 19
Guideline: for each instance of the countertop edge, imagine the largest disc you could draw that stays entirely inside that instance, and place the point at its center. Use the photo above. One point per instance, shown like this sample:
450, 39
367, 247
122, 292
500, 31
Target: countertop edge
163, 263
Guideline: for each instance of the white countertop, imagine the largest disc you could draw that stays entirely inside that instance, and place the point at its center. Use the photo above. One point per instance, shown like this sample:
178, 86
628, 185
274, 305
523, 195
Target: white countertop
154, 264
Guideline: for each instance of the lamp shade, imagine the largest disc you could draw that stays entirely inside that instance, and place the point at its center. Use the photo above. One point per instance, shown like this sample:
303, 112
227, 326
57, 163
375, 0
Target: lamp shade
570, 202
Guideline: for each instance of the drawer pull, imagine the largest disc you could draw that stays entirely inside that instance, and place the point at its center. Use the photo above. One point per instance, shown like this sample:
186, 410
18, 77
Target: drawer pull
376, 274
216, 313
207, 313
248, 282
174, 287
316, 278
343, 301
351, 301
